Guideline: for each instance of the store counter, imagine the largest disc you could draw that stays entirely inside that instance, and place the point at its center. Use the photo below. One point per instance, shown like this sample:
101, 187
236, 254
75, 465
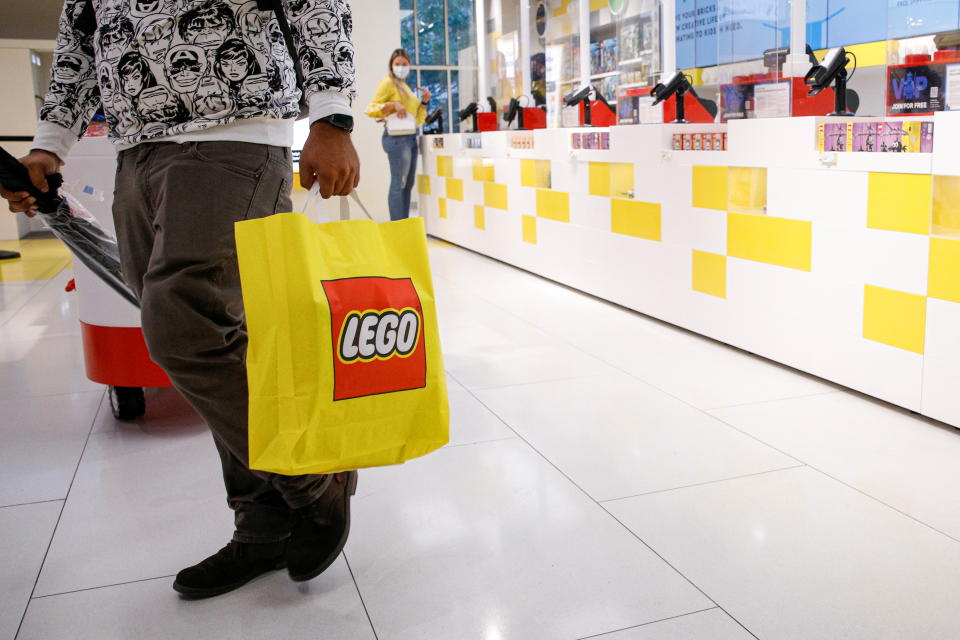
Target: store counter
844, 265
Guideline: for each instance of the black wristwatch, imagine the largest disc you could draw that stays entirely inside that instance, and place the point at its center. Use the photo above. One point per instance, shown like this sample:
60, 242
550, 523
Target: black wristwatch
340, 121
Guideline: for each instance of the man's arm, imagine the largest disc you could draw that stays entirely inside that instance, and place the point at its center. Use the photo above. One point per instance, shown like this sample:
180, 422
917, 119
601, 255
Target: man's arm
322, 32
71, 101
73, 96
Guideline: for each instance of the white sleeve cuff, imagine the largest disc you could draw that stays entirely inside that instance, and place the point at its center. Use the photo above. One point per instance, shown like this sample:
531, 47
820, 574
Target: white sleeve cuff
328, 103
54, 138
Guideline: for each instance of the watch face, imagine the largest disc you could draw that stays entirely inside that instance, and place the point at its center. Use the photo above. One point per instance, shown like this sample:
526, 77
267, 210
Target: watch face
340, 121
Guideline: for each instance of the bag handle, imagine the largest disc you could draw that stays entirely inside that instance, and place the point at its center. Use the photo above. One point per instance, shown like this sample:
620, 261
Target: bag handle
315, 202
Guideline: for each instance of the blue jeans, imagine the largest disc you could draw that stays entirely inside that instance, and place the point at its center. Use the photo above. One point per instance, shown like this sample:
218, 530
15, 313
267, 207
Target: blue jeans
402, 152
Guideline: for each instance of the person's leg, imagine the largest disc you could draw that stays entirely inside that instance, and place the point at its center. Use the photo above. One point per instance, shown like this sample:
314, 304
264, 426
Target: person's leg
398, 155
192, 308
411, 177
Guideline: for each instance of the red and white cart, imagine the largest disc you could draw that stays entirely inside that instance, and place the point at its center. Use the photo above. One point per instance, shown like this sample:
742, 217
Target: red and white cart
113, 345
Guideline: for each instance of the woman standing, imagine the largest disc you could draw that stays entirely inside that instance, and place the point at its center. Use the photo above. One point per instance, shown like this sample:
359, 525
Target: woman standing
403, 112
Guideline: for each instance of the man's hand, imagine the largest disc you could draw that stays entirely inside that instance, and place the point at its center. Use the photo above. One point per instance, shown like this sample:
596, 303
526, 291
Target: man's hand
425, 95
40, 164
328, 158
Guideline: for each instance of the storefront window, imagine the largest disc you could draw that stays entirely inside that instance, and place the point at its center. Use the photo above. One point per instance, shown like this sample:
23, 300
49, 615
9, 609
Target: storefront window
558, 29
460, 27
407, 26
431, 32
441, 35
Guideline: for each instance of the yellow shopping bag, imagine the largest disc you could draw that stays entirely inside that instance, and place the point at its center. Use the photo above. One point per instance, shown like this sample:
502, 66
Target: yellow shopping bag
344, 362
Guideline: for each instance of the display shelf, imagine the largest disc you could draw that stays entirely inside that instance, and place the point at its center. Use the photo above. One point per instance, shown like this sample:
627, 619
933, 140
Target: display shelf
635, 85
605, 74
638, 60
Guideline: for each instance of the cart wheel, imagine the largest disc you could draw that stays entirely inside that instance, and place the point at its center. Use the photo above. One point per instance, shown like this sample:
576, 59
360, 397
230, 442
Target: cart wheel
127, 403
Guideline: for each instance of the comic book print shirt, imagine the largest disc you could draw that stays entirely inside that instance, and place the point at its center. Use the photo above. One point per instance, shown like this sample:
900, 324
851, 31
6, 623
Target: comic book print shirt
163, 68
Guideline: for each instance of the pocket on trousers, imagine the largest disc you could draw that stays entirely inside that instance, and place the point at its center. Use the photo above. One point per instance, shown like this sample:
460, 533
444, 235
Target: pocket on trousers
244, 159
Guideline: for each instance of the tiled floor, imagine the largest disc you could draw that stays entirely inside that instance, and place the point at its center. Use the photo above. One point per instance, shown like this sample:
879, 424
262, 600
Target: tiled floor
672, 489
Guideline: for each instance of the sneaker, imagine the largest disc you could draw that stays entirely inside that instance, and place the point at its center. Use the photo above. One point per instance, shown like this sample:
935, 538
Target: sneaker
230, 568
320, 530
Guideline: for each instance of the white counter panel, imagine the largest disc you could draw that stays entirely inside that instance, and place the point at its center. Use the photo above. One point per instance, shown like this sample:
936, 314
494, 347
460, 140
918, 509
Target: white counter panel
770, 246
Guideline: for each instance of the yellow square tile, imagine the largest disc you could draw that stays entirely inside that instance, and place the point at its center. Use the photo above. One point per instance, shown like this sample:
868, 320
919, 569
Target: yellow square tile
479, 220
423, 184
495, 195
710, 273
455, 189
483, 170
747, 190
946, 206
530, 229
442, 206
944, 282
895, 318
535, 173
779, 241
553, 205
637, 219
621, 180
710, 187
900, 202
600, 179
445, 166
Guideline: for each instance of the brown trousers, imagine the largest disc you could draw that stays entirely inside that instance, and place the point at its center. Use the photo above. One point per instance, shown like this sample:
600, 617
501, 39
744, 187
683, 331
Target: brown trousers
174, 207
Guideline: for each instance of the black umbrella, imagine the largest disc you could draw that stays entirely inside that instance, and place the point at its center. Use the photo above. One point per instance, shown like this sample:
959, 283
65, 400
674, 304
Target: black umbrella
71, 223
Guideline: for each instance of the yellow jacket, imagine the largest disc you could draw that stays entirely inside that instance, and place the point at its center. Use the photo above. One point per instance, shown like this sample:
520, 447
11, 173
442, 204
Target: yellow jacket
387, 92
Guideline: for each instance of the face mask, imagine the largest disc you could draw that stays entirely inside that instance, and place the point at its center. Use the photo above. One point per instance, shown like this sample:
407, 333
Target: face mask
401, 71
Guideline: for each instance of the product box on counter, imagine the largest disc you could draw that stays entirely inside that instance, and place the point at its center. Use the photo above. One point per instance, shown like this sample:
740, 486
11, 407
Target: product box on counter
876, 136
709, 141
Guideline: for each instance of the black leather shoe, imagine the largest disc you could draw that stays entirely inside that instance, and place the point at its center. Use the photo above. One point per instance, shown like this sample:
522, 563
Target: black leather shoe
320, 530
230, 568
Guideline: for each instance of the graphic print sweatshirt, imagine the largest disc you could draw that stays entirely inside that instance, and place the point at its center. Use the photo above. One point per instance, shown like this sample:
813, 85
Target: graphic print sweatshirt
169, 69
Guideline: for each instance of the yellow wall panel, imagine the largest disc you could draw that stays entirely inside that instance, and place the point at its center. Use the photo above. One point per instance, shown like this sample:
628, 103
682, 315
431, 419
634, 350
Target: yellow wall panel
710, 273
483, 170
621, 180
710, 187
479, 220
495, 195
455, 189
779, 241
530, 229
442, 206
553, 205
445, 166
946, 206
894, 318
900, 202
423, 184
600, 179
747, 190
596, 5
637, 219
945, 269
535, 173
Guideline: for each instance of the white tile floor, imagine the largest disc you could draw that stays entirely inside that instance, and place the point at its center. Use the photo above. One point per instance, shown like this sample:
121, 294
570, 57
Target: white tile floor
676, 489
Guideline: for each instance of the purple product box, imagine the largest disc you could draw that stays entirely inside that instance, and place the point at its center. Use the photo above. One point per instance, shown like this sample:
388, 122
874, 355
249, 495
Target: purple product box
926, 138
835, 137
575, 140
605, 140
865, 136
890, 137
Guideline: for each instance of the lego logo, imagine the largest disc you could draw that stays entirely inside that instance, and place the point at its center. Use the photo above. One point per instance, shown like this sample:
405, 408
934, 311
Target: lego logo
374, 335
